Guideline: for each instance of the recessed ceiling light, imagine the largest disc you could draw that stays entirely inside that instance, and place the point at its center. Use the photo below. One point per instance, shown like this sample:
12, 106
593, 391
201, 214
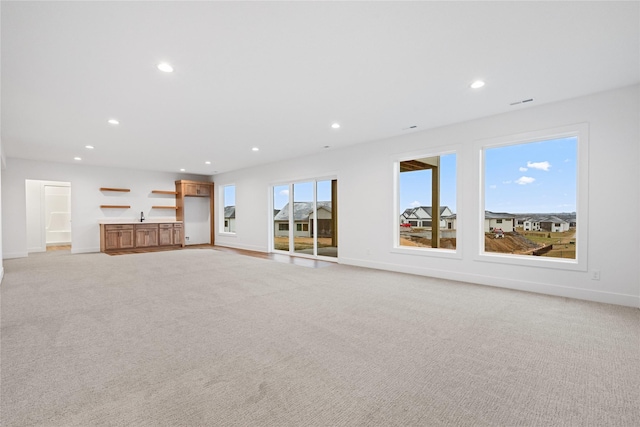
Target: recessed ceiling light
255, 149
77, 158
114, 122
335, 125
326, 146
207, 162
477, 84
167, 68
182, 170
89, 147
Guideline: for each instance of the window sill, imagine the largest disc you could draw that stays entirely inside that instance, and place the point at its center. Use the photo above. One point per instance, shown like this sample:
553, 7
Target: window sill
428, 252
532, 261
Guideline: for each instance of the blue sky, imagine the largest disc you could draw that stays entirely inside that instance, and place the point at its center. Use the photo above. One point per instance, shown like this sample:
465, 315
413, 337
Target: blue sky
537, 177
230, 195
303, 192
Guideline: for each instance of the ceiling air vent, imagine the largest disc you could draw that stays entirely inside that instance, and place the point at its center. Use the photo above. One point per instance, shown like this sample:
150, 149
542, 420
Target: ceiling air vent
524, 101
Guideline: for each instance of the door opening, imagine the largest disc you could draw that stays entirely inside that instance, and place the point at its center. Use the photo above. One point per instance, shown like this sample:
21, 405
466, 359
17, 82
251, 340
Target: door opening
305, 218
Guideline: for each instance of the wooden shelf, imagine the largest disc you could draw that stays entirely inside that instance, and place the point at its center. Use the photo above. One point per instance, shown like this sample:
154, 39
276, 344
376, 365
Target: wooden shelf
164, 207
123, 190
164, 192
115, 206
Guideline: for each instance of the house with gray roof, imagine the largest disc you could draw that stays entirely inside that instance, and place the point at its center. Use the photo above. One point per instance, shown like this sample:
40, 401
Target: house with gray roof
503, 220
230, 219
421, 216
303, 216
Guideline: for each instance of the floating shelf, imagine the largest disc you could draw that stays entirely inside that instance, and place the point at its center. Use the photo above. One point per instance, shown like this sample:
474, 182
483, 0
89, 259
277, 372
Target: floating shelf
164, 192
123, 190
115, 206
164, 207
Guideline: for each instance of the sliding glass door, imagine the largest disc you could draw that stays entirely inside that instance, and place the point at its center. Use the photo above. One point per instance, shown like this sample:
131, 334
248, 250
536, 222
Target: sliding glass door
305, 218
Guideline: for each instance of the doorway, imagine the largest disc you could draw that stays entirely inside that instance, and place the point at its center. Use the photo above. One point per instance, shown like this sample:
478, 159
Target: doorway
48, 206
305, 218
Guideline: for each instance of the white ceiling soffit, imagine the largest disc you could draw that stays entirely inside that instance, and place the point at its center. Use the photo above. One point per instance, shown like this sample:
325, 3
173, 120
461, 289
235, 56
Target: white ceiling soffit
276, 75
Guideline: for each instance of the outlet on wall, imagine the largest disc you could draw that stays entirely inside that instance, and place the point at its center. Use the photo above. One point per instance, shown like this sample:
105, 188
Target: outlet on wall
186, 237
595, 275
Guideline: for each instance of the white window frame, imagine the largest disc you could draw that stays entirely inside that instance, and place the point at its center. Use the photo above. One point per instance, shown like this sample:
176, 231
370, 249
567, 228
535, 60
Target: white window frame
221, 188
418, 251
581, 131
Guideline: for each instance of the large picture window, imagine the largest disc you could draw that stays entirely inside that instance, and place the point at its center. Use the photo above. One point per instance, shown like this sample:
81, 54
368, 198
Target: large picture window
427, 202
534, 198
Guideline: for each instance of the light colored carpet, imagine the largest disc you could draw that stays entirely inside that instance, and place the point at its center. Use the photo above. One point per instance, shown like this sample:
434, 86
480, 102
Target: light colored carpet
204, 337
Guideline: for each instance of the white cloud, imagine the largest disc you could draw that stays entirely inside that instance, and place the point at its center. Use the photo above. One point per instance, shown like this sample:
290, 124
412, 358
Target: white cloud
539, 165
415, 204
506, 182
524, 180
284, 193
493, 187
523, 169
567, 160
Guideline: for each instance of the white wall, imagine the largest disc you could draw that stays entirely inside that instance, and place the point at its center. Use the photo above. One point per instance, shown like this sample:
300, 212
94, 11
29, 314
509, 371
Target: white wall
365, 178
86, 199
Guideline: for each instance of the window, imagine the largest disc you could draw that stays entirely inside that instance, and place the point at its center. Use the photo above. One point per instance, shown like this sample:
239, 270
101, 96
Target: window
534, 198
228, 194
302, 227
427, 202
283, 227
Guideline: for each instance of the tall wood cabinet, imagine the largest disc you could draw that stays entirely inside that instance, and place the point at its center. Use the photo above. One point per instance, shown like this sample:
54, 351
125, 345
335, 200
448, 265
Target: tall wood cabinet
186, 188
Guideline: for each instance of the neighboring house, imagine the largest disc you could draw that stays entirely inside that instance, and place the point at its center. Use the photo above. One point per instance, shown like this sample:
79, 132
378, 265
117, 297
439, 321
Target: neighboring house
404, 216
554, 224
545, 223
303, 220
528, 223
502, 220
452, 222
230, 219
421, 216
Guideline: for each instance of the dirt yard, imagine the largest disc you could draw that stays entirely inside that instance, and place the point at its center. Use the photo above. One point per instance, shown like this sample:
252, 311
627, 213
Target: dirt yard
282, 243
421, 242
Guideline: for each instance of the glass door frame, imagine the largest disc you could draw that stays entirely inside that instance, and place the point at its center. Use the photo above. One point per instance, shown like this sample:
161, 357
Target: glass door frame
291, 235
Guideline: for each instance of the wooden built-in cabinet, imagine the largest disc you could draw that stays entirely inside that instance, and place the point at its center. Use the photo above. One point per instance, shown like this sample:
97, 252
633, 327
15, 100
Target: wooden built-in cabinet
146, 235
185, 188
115, 237
197, 189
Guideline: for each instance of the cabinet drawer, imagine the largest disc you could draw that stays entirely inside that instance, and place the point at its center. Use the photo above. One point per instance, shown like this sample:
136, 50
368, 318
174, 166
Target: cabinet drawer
177, 225
113, 227
139, 226
166, 225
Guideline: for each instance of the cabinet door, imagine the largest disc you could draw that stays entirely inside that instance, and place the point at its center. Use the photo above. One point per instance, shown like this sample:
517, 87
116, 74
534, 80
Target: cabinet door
190, 189
146, 237
203, 190
165, 235
177, 234
126, 239
112, 239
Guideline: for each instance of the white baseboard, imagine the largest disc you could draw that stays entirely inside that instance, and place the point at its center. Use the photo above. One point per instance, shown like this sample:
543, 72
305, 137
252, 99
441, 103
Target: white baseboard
11, 255
75, 250
244, 247
520, 285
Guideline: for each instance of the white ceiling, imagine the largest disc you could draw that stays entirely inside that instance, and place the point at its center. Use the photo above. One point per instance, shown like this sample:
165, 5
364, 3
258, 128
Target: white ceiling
276, 75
